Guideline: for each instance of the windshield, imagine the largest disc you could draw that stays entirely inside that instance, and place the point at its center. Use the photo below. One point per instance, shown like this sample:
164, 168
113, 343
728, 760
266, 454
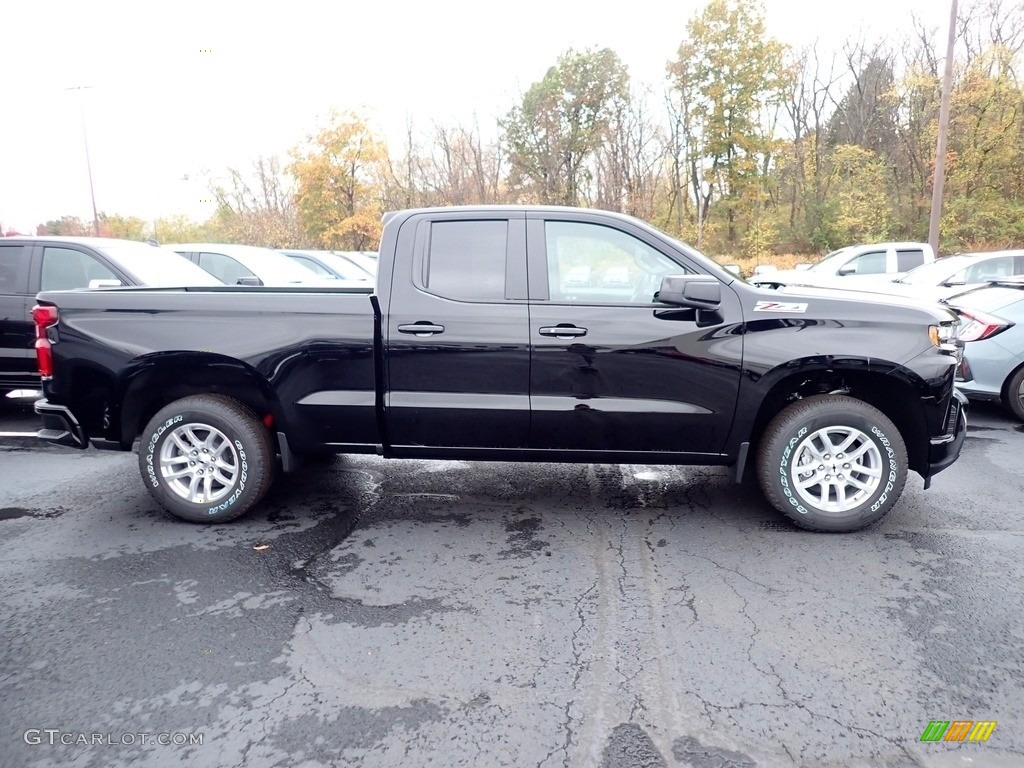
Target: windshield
348, 269
831, 262
937, 271
156, 266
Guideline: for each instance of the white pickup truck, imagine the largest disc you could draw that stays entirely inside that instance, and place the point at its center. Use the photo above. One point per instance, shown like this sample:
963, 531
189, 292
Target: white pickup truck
856, 266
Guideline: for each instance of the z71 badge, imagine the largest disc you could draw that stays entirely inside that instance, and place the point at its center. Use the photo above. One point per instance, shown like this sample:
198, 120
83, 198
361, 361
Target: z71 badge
779, 306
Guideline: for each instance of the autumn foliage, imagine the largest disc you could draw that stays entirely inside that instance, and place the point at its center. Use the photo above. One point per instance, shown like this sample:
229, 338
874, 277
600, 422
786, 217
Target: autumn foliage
748, 148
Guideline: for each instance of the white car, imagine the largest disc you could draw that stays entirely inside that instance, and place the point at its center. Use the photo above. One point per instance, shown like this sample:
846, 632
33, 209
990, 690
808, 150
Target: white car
956, 274
250, 265
856, 267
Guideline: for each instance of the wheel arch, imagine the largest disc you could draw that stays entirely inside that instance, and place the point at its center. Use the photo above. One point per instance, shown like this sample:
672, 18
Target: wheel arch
892, 389
157, 380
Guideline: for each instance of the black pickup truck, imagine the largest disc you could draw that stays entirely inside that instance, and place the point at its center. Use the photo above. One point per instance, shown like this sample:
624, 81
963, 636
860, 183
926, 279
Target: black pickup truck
513, 334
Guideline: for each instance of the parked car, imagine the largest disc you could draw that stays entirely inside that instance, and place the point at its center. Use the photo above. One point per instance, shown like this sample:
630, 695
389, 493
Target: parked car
29, 265
249, 265
616, 277
578, 277
470, 348
366, 259
955, 274
329, 264
856, 266
993, 334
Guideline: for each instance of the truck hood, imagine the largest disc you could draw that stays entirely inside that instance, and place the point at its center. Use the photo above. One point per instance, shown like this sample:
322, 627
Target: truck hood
864, 296
825, 279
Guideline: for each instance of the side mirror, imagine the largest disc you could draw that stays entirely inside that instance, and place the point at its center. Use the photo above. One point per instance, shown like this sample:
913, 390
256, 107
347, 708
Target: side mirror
847, 269
94, 284
249, 280
697, 291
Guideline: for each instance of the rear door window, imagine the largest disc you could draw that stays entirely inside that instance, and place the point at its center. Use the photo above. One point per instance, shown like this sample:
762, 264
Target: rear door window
465, 260
908, 259
14, 260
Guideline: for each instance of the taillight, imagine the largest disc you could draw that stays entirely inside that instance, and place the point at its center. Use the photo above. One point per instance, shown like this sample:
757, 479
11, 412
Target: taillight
975, 325
44, 317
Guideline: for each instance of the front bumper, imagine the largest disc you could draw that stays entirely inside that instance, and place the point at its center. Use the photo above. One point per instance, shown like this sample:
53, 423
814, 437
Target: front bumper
945, 450
60, 426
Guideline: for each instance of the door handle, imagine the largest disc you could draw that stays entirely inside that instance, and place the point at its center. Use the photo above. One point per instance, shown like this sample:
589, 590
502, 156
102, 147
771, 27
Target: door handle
422, 328
566, 331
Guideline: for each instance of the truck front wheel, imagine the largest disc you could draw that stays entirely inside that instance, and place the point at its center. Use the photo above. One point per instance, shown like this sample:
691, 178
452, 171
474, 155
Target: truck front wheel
206, 458
832, 463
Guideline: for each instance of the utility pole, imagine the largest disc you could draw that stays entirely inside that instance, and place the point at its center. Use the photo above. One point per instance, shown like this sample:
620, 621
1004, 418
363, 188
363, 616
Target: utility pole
940, 150
88, 162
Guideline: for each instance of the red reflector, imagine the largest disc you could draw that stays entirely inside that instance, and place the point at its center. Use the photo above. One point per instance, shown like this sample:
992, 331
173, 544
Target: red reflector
44, 357
44, 316
268, 420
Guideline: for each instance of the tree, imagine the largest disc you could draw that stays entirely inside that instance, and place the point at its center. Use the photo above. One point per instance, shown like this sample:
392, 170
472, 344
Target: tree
125, 227
67, 226
866, 116
340, 176
182, 229
560, 122
861, 209
730, 79
257, 209
629, 162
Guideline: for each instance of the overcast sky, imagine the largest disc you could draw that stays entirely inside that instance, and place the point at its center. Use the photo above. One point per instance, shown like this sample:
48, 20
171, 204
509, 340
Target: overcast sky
182, 87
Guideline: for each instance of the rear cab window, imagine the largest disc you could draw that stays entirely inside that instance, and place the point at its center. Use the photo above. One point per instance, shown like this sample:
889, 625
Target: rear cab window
908, 259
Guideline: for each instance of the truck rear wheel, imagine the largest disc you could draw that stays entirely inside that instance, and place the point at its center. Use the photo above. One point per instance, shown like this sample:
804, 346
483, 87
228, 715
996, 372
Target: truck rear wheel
206, 459
832, 463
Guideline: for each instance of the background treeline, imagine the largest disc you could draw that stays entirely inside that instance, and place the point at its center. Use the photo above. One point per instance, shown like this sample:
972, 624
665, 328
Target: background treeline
749, 148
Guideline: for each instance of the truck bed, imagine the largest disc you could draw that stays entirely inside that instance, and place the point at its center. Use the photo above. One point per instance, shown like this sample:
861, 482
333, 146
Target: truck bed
309, 350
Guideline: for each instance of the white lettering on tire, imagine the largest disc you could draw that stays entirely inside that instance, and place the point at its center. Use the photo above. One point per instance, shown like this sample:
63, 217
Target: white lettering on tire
241, 483
151, 448
784, 476
893, 468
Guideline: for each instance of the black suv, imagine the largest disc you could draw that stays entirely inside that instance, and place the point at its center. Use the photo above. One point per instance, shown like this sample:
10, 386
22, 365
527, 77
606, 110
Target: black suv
29, 265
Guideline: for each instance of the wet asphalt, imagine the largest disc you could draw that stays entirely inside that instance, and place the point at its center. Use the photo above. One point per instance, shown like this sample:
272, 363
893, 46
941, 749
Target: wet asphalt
376, 613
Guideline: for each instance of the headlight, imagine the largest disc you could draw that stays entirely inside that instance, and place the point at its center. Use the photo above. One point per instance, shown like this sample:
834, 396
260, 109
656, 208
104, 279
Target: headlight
944, 335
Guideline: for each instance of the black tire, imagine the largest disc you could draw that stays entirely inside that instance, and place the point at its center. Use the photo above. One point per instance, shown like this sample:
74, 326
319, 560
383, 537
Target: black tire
1015, 393
790, 437
249, 456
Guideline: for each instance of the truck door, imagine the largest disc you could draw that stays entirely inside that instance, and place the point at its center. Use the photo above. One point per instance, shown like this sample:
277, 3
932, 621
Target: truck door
17, 334
457, 345
612, 370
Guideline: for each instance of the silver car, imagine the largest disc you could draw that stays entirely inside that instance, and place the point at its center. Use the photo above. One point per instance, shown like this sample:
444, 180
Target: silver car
992, 327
